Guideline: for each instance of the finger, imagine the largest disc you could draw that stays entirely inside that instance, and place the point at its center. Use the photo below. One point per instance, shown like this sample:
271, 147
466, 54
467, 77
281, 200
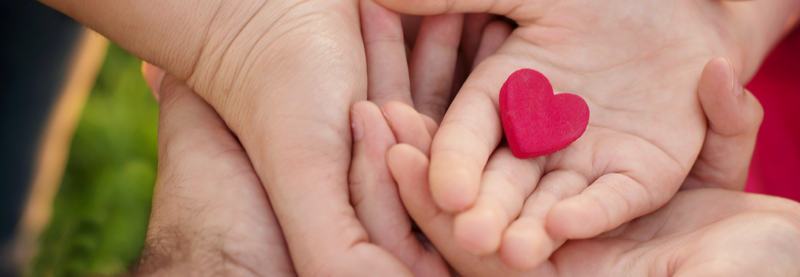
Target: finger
306, 174
608, 202
409, 167
734, 116
408, 126
469, 133
506, 183
526, 242
387, 67
731, 110
374, 193
429, 7
430, 124
433, 63
153, 76
208, 188
494, 36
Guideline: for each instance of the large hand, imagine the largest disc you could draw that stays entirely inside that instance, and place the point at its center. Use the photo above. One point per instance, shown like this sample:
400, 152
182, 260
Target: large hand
737, 234
636, 63
283, 76
211, 215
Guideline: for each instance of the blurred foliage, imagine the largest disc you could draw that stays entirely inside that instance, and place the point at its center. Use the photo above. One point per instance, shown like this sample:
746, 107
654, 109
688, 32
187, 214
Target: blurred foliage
101, 210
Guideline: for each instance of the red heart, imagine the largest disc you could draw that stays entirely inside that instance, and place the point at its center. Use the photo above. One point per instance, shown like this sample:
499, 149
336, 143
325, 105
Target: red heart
535, 121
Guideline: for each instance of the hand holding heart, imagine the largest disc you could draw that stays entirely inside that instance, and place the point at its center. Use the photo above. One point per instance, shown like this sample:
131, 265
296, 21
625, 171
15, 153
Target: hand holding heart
638, 75
756, 233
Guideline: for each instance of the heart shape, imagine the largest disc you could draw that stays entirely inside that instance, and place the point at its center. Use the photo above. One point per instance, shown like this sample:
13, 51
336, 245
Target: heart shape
536, 121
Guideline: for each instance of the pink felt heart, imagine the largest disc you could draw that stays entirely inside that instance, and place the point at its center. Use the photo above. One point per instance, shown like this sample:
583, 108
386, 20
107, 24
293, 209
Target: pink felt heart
535, 121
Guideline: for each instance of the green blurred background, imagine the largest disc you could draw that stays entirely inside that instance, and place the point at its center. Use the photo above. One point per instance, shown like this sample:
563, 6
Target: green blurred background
101, 210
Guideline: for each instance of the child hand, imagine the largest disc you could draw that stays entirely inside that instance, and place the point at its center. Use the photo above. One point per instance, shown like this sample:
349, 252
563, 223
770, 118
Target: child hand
721, 232
636, 69
734, 122
758, 234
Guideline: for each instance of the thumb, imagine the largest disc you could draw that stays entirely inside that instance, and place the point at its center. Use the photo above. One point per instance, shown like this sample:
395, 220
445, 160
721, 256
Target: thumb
734, 116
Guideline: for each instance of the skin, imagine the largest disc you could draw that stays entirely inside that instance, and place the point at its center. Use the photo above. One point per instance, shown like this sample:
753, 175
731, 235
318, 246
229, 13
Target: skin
733, 115
282, 75
189, 208
212, 217
374, 138
646, 129
197, 216
250, 61
737, 234
185, 216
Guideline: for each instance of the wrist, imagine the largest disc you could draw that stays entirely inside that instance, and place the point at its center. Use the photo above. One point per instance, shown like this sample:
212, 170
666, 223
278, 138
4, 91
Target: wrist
758, 26
257, 51
171, 252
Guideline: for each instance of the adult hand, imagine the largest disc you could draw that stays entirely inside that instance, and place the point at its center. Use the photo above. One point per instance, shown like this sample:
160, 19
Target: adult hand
637, 66
283, 76
211, 215
373, 192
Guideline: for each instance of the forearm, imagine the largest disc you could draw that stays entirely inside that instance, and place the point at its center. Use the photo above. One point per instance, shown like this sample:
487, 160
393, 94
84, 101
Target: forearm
761, 25
169, 34
209, 44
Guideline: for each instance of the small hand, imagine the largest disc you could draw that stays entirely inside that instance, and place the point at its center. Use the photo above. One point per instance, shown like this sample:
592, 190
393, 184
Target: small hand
718, 97
737, 234
637, 66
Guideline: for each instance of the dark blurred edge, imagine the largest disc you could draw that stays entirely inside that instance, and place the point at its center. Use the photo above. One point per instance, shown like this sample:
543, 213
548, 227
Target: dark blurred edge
34, 54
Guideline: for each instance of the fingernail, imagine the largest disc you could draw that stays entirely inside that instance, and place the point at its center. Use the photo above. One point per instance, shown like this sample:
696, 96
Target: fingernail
356, 125
736, 87
154, 76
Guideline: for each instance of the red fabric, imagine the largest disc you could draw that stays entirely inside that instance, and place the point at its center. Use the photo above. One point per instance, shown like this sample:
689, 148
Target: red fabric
775, 168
